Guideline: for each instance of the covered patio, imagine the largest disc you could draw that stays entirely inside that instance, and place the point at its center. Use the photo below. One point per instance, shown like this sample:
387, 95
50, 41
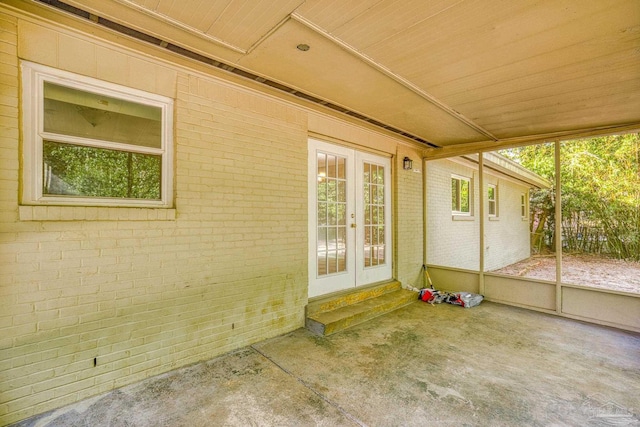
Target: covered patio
491, 365
283, 153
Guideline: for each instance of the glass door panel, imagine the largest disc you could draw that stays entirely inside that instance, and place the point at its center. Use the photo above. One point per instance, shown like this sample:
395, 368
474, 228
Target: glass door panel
331, 246
373, 206
331, 239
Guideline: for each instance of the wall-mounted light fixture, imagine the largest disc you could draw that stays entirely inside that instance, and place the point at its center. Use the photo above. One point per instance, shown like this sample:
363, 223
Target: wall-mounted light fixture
407, 164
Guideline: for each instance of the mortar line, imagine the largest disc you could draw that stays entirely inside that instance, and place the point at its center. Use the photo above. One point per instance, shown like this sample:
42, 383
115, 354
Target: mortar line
311, 389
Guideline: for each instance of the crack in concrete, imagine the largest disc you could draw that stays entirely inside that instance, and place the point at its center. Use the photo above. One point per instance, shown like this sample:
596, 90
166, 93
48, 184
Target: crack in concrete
311, 389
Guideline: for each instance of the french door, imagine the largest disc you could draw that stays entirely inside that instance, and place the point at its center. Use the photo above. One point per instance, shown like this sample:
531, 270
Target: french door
349, 218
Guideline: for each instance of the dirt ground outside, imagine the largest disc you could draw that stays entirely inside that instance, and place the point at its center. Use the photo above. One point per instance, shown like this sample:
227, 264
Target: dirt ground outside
580, 269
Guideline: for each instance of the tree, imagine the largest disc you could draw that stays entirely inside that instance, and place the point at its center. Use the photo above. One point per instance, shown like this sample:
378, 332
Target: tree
539, 159
600, 183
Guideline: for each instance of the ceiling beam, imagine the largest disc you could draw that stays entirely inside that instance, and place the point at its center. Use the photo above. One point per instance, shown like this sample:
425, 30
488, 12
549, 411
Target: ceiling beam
399, 79
484, 146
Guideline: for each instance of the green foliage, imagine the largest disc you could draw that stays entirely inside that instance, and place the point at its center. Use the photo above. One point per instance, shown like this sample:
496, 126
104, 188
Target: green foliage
600, 179
460, 195
74, 170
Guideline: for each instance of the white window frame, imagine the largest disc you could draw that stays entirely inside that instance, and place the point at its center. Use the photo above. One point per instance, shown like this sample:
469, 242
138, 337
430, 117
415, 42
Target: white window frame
461, 178
33, 78
524, 206
494, 201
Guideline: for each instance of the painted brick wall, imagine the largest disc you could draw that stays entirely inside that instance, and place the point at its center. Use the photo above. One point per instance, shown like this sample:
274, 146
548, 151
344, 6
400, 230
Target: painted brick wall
454, 241
451, 241
507, 236
410, 231
145, 290
142, 291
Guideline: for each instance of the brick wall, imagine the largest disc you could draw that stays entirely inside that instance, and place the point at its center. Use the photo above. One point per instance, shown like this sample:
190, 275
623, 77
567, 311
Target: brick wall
507, 235
93, 298
454, 241
410, 230
143, 291
451, 241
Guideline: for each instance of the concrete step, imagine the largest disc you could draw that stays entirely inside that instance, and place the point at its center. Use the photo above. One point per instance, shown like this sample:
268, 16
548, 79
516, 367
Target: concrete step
350, 297
333, 314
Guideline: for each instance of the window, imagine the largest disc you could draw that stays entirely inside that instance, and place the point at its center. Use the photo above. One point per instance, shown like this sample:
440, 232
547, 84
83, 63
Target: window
523, 207
492, 198
460, 195
88, 142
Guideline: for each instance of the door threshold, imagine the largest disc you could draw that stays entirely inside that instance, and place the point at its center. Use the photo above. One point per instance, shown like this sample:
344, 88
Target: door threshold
353, 290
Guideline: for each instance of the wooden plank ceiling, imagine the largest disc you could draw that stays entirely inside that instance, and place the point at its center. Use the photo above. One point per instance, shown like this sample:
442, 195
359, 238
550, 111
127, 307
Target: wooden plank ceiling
452, 72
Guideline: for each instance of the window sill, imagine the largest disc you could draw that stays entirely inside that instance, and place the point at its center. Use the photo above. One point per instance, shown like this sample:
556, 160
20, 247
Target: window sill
494, 218
94, 213
462, 218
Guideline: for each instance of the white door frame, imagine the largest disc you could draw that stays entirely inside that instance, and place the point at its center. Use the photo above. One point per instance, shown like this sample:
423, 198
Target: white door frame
356, 273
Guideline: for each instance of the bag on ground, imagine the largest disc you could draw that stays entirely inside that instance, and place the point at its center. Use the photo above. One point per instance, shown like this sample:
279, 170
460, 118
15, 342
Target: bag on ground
464, 299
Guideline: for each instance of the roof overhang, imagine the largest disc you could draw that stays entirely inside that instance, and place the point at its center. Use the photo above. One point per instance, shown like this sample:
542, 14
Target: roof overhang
451, 75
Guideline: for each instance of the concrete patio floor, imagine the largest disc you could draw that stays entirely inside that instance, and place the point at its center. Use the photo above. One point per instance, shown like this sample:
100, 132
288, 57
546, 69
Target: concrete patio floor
442, 365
